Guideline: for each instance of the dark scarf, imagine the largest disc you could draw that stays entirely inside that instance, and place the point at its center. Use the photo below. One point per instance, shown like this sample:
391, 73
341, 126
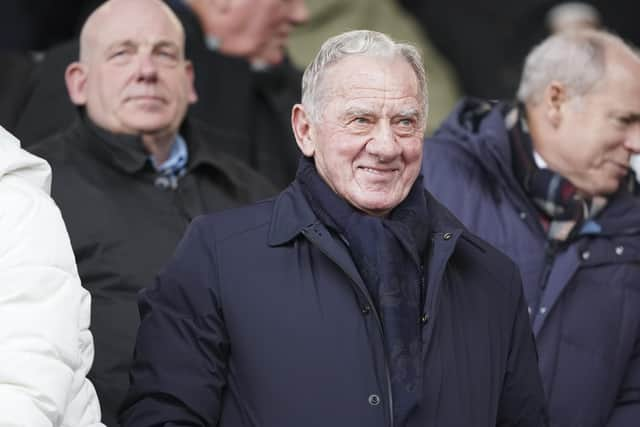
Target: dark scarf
563, 210
388, 253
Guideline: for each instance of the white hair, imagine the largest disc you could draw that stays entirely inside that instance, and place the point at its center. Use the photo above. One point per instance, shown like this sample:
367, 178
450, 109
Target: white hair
362, 43
576, 59
572, 15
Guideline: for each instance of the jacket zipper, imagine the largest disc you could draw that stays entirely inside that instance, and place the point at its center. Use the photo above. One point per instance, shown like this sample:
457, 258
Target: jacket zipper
550, 251
386, 360
378, 322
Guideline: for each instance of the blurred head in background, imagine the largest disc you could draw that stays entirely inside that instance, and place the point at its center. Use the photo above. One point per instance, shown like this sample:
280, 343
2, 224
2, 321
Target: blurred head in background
582, 94
253, 29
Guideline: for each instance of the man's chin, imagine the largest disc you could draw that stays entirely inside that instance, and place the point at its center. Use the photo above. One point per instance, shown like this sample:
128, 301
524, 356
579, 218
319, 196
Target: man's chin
148, 125
375, 205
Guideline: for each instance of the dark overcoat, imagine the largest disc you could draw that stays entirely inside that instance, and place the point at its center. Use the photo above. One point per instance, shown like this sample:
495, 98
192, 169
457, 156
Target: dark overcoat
262, 319
125, 222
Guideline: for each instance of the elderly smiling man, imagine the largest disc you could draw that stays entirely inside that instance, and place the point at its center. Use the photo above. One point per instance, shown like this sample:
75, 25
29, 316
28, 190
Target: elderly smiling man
547, 180
353, 298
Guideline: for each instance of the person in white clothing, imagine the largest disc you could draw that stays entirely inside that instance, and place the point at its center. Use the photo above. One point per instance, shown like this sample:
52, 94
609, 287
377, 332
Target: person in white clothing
46, 348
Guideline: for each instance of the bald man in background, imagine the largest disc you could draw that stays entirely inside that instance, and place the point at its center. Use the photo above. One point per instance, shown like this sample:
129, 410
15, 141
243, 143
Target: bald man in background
246, 86
132, 171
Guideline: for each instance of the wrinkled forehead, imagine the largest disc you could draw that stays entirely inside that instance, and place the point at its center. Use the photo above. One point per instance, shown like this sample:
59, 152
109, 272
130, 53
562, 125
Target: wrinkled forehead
371, 77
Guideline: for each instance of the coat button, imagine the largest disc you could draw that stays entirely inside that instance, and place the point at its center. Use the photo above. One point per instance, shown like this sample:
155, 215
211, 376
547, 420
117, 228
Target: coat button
424, 318
543, 310
374, 400
619, 250
447, 236
523, 215
586, 255
366, 309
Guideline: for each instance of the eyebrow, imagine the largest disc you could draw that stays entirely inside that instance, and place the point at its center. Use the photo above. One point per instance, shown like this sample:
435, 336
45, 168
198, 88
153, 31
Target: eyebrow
166, 43
409, 112
363, 111
358, 111
635, 117
120, 43
129, 43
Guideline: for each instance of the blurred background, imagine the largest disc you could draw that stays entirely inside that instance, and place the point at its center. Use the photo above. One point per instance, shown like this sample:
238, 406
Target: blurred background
471, 47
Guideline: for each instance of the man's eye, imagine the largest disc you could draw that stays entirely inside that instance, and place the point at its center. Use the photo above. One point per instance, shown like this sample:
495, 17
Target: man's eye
405, 125
167, 54
120, 54
361, 120
624, 121
168, 57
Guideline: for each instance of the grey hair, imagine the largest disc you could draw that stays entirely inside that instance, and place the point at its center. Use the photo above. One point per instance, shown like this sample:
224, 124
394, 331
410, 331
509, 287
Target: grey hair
572, 15
577, 59
362, 43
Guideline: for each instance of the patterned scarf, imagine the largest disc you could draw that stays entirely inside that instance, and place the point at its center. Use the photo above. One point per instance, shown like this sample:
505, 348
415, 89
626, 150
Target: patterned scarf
563, 210
388, 253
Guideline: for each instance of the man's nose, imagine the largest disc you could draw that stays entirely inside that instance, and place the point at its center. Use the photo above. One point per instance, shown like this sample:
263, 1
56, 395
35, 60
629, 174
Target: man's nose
383, 144
632, 141
147, 68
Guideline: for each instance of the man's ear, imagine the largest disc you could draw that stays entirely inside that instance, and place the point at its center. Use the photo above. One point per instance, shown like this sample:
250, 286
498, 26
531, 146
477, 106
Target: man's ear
75, 77
303, 130
192, 95
555, 100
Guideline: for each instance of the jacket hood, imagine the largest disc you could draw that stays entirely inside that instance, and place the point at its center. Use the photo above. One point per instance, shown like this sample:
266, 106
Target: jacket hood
477, 127
16, 162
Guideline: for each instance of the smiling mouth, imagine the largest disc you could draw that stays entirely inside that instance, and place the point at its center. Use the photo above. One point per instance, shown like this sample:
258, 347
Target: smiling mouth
621, 169
377, 171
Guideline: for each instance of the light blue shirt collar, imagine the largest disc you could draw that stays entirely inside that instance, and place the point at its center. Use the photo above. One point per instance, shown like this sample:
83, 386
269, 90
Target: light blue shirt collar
177, 160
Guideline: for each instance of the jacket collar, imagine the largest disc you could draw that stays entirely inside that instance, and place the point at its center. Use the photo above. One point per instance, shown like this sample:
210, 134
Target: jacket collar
125, 152
621, 215
292, 214
478, 127
128, 154
202, 141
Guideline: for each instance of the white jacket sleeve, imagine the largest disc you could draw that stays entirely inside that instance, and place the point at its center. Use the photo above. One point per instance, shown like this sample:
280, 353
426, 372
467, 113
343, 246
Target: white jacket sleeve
46, 348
